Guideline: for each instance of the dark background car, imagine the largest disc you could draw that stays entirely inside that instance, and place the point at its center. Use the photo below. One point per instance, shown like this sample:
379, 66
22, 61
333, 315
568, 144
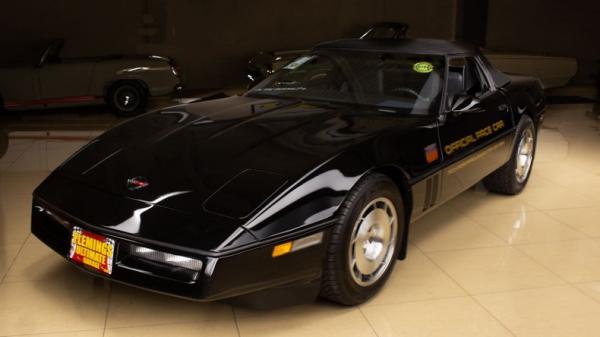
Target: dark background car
266, 63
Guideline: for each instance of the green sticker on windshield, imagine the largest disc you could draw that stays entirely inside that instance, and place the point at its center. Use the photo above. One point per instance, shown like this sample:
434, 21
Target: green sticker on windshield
423, 67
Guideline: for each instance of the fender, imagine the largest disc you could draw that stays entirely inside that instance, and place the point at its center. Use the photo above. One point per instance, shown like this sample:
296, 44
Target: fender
313, 199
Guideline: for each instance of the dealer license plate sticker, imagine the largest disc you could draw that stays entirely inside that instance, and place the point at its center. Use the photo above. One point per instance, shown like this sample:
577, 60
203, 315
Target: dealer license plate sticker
92, 250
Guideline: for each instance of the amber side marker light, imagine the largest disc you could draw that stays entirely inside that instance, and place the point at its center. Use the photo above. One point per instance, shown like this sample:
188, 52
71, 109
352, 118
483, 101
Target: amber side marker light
296, 245
282, 249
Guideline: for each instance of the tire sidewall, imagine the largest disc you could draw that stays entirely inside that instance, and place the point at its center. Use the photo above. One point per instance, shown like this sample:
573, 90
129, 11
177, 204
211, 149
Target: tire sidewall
115, 105
524, 123
380, 188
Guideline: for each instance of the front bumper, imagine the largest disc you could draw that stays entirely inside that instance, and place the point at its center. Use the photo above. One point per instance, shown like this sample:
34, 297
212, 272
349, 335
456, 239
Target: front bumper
222, 276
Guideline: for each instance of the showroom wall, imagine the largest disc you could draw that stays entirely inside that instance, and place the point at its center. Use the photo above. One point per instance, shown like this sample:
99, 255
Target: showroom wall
211, 39
90, 27
562, 28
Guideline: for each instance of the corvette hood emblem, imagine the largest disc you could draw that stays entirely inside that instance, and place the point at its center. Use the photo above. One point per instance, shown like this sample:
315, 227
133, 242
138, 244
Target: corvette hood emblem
137, 183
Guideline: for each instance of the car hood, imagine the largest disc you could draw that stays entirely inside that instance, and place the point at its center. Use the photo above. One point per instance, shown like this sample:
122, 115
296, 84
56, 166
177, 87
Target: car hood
192, 151
216, 161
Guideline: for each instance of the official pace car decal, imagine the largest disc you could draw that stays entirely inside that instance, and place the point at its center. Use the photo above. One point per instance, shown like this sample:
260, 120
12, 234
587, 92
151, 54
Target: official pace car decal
473, 138
476, 157
92, 250
423, 67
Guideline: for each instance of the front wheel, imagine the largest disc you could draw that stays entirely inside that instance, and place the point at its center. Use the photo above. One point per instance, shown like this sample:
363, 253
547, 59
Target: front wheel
513, 176
126, 99
364, 244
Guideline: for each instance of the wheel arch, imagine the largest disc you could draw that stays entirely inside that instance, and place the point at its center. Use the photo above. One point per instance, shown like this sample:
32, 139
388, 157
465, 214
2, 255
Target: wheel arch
336, 179
530, 110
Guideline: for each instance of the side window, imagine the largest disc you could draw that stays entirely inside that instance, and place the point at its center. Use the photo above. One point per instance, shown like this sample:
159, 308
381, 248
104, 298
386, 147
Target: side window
477, 83
466, 77
456, 83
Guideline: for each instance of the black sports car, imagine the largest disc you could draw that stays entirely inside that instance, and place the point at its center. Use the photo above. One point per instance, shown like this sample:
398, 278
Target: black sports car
307, 184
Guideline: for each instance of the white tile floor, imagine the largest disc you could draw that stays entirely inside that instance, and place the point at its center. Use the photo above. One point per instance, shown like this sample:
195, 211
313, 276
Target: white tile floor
482, 265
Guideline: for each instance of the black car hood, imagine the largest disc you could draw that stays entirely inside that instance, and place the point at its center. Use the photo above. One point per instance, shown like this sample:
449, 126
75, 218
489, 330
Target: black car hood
221, 159
186, 153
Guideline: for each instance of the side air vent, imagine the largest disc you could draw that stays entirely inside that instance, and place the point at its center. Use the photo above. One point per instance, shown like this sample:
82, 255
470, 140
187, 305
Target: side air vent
432, 188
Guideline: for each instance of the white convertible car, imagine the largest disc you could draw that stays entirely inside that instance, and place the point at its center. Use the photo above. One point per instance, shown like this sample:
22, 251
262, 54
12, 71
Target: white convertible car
122, 82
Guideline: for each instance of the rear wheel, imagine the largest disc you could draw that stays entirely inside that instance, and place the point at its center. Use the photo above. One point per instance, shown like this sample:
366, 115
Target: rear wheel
126, 99
364, 244
513, 176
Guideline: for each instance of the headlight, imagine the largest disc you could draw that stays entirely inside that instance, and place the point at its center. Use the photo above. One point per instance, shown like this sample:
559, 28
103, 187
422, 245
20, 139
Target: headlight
166, 258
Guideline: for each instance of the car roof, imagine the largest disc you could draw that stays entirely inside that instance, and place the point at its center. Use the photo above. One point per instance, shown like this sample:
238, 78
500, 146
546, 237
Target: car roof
408, 46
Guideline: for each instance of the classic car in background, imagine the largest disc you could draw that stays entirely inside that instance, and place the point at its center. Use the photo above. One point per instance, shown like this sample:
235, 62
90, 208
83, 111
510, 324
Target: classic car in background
122, 82
552, 71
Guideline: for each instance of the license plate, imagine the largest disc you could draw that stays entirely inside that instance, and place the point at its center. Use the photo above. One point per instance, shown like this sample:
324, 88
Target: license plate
92, 250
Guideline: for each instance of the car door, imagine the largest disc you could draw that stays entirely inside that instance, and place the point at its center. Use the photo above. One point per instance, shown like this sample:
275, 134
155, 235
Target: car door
64, 79
475, 141
18, 87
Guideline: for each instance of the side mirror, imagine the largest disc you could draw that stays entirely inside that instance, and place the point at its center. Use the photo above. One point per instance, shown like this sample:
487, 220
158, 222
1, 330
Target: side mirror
463, 103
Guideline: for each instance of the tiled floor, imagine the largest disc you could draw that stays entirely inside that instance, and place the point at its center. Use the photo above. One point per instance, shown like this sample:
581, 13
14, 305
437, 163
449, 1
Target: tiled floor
482, 265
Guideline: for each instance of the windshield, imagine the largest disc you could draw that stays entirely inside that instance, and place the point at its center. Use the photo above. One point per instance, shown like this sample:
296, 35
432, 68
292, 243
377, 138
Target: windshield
396, 82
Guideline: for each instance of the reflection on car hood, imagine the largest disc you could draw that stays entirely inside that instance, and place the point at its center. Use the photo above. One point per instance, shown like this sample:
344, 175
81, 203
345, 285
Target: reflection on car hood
189, 152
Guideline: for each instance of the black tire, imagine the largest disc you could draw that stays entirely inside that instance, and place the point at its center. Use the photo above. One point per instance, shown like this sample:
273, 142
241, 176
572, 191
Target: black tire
504, 180
338, 283
127, 98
